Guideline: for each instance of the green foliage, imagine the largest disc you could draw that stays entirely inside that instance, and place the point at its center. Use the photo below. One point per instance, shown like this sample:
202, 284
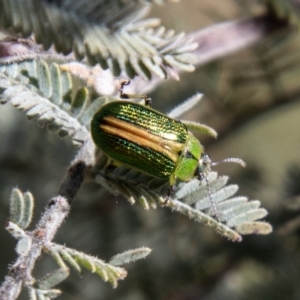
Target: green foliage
21, 216
68, 114
45, 92
138, 48
21, 208
76, 259
45, 87
192, 200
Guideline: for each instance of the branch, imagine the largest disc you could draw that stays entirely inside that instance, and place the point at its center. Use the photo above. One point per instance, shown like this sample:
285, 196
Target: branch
20, 272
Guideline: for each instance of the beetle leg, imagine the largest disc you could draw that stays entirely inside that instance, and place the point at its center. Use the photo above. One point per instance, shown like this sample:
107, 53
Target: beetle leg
167, 197
123, 95
172, 188
200, 177
109, 166
122, 84
148, 101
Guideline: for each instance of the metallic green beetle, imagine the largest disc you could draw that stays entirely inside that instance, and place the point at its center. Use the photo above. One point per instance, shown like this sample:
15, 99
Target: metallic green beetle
142, 138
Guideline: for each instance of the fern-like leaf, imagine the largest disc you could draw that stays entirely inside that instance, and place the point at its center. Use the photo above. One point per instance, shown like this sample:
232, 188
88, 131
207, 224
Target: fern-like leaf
52, 279
43, 91
129, 256
21, 208
106, 271
40, 294
138, 48
236, 215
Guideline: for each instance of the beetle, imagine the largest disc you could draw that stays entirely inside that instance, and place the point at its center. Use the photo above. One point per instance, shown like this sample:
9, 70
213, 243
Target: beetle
142, 138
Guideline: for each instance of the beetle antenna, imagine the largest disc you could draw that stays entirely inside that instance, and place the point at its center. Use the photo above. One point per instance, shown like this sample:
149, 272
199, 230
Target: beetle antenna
230, 160
206, 163
212, 202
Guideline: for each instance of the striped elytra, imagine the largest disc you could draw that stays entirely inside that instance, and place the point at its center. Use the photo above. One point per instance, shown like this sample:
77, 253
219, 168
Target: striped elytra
142, 138
139, 137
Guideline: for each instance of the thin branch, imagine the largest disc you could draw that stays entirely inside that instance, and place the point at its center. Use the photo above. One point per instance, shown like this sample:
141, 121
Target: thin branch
20, 272
19, 49
72, 181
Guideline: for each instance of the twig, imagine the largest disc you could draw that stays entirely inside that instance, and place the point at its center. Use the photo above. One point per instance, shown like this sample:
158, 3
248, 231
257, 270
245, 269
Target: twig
20, 272
56, 211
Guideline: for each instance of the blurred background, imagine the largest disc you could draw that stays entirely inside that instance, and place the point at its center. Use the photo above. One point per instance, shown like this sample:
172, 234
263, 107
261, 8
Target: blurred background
252, 98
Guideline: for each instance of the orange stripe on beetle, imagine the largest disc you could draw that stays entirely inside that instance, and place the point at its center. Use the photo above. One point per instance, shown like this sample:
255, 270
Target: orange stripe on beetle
141, 137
